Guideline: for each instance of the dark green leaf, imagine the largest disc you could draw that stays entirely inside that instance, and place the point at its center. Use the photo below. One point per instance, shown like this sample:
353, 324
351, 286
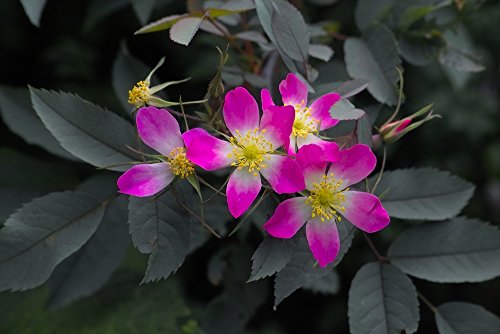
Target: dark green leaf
160, 229
87, 131
419, 50
382, 300
19, 115
183, 31
89, 268
127, 71
302, 268
459, 250
364, 130
98, 10
459, 60
423, 193
320, 51
34, 9
375, 59
465, 318
414, 14
290, 30
271, 256
143, 9
344, 110
42, 233
369, 12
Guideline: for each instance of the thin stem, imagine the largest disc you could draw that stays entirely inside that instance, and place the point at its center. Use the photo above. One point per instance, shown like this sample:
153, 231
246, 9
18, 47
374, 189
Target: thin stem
183, 113
400, 97
187, 116
427, 302
256, 205
227, 36
217, 191
382, 168
374, 248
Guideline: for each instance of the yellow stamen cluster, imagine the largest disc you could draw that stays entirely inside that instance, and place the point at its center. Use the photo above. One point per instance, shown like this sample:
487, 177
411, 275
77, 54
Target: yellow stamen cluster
179, 163
326, 200
140, 94
304, 123
250, 150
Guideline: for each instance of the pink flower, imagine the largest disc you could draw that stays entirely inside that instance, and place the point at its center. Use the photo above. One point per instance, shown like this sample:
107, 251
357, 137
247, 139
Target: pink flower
308, 120
328, 200
160, 131
251, 149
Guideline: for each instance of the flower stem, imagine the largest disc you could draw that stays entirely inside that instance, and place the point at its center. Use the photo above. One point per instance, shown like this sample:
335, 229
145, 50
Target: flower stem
382, 168
427, 302
374, 248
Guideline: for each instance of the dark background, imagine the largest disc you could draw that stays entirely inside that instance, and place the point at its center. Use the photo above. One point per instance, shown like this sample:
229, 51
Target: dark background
64, 54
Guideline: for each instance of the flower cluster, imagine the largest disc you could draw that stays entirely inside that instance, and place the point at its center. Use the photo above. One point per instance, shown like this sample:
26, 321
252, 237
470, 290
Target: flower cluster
283, 147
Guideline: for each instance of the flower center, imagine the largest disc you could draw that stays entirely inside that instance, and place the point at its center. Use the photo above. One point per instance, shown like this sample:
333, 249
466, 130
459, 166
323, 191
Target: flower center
304, 123
140, 94
326, 200
250, 150
179, 163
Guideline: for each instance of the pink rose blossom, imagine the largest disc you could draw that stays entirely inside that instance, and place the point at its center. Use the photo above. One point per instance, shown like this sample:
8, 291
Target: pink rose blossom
308, 119
329, 199
251, 149
159, 130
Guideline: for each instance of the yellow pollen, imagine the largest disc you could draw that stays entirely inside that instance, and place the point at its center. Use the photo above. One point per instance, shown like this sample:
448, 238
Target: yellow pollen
250, 150
326, 200
304, 123
140, 94
179, 163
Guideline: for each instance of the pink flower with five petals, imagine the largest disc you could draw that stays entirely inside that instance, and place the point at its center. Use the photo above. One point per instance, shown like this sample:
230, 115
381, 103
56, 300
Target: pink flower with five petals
328, 199
308, 119
251, 149
159, 130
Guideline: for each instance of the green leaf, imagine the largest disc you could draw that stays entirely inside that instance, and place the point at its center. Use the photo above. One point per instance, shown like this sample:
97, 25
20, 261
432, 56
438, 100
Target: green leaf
382, 300
364, 130
423, 193
98, 10
459, 60
126, 72
321, 52
23, 178
34, 9
419, 50
465, 318
455, 251
162, 24
327, 285
414, 14
265, 12
375, 59
86, 271
345, 89
93, 134
42, 233
302, 269
183, 31
290, 30
143, 9
159, 228
369, 12
18, 114
271, 256
344, 110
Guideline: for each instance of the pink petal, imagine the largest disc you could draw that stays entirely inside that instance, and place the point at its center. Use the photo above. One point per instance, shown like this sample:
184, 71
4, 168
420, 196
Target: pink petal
145, 180
266, 99
354, 165
290, 145
288, 218
365, 211
158, 129
323, 239
206, 151
314, 173
330, 148
240, 111
242, 189
284, 174
277, 123
320, 109
293, 90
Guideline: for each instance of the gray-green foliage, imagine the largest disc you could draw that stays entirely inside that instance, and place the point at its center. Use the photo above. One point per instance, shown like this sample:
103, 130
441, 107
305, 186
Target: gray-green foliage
34, 9
43, 233
382, 300
93, 134
465, 318
459, 250
423, 193
160, 228
374, 57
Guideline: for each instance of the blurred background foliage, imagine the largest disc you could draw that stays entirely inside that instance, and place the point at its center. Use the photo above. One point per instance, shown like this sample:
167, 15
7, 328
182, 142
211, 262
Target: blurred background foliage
75, 49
